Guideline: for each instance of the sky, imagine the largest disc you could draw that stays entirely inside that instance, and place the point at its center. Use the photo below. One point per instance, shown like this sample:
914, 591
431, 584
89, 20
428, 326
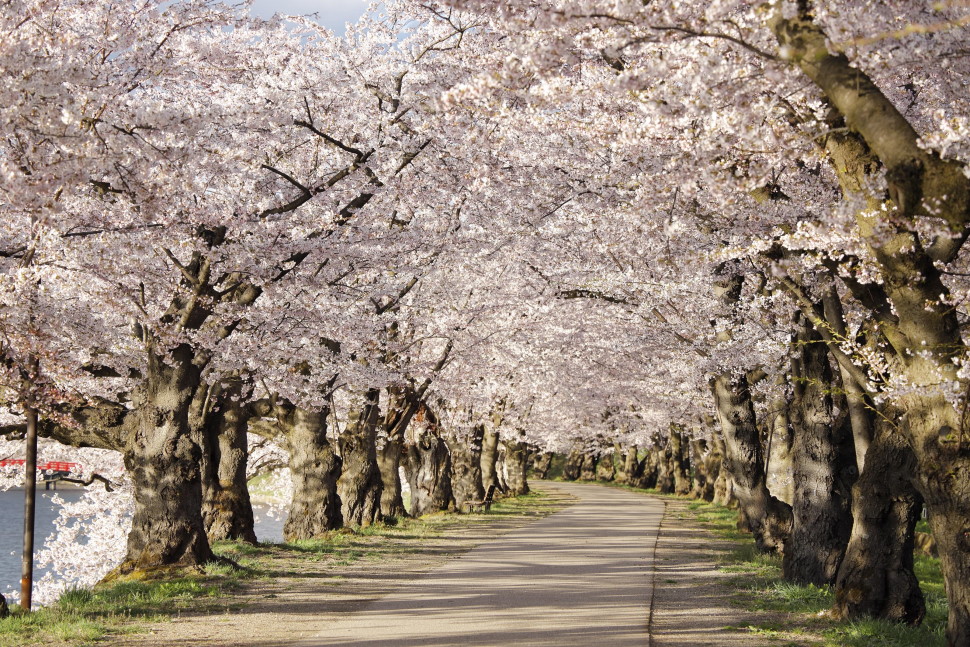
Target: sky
333, 13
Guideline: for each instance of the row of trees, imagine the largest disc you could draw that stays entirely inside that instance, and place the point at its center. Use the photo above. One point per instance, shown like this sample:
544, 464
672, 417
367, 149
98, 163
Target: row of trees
569, 218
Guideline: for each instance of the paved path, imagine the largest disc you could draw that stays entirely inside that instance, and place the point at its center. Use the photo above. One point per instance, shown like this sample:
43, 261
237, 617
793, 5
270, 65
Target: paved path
582, 576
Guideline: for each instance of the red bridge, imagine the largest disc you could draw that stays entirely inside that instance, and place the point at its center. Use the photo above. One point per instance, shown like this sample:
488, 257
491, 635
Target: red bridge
50, 468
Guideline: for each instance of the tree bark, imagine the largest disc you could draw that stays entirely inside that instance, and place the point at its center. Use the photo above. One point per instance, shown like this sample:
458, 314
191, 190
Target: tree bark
402, 405
315, 467
605, 469
876, 576
360, 485
163, 460
428, 468
648, 472
770, 519
624, 465
490, 446
501, 469
587, 469
574, 463
703, 476
227, 510
664, 459
824, 465
679, 461
389, 461
780, 477
516, 467
466, 466
542, 465
912, 304
723, 485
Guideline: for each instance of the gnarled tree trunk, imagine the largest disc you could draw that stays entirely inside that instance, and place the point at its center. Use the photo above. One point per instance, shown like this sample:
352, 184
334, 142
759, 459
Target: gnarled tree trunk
314, 467
665, 468
163, 461
723, 485
648, 472
516, 466
703, 477
573, 464
501, 470
227, 510
626, 463
770, 519
490, 447
541, 465
360, 484
587, 469
389, 462
679, 461
876, 576
605, 469
466, 466
824, 469
428, 469
780, 475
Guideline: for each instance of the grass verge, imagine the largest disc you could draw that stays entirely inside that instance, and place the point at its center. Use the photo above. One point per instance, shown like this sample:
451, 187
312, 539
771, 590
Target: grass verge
760, 587
85, 618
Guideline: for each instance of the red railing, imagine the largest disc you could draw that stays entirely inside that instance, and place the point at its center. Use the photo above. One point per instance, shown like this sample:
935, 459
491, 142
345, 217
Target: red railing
52, 466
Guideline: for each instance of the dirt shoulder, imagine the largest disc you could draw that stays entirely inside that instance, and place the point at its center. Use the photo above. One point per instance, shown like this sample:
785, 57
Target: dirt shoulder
695, 604
301, 592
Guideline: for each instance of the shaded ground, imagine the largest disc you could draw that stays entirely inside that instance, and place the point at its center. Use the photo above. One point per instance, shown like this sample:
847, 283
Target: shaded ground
305, 592
420, 585
694, 602
579, 577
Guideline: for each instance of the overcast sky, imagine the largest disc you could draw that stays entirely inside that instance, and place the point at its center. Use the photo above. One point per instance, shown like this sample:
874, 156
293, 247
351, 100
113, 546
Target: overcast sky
333, 13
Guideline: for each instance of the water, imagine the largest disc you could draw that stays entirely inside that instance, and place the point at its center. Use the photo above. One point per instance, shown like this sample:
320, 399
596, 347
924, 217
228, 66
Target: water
12, 530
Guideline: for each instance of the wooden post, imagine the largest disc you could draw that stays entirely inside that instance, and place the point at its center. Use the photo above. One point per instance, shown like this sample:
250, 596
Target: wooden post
30, 492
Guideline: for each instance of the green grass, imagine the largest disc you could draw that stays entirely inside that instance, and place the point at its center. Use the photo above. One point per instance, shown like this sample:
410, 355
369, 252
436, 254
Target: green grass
82, 617
760, 587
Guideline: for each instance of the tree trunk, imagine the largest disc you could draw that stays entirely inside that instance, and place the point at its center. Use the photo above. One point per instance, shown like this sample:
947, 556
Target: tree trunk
912, 302
315, 467
587, 469
780, 474
876, 575
943, 478
703, 477
360, 485
648, 470
605, 469
466, 466
516, 464
542, 465
226, 507
163, 460
770, 518
573, 464
723, 485
400, 409
501, 469
679, 465
824, 465
428, 469
624, 465
389, 462
490, 447
665, 468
